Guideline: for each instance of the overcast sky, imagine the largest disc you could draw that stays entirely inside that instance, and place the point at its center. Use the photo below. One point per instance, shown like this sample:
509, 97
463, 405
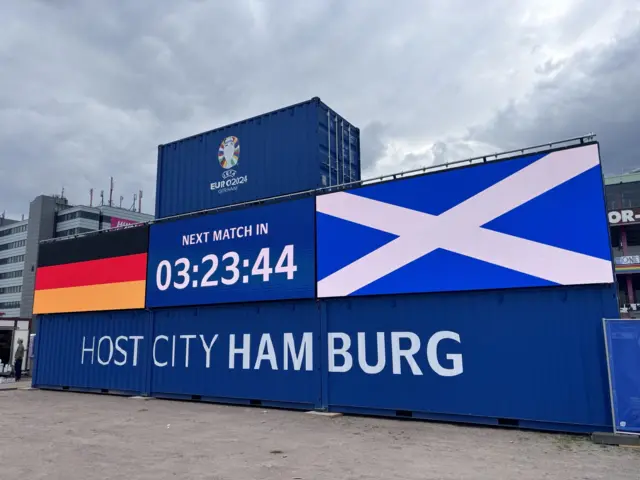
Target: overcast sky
89, 89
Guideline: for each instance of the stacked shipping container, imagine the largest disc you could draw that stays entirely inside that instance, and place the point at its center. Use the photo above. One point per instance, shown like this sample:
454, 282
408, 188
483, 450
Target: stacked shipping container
298, 148
449, 296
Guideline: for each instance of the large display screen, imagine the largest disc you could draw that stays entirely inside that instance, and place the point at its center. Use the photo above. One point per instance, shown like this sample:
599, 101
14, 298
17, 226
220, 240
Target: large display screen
536, 220
98, 272
254, 254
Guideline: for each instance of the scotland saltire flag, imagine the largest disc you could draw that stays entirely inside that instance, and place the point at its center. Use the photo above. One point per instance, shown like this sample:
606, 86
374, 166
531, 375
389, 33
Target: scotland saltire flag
538, 220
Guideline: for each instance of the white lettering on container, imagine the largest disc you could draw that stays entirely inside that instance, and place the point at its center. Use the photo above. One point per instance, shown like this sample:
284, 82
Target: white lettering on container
343, 352
100, 361
92, 349
432, 355
362, 354
266, 352
207, 349
244, 351
155, 342
305, 353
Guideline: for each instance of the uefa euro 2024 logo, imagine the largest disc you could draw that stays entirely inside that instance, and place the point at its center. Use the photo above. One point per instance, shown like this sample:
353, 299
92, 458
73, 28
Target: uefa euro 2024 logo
229, 152
228, 158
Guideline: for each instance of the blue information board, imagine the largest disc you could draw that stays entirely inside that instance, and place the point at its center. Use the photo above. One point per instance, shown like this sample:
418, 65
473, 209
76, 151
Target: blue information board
489, 226
623, 350
254, 254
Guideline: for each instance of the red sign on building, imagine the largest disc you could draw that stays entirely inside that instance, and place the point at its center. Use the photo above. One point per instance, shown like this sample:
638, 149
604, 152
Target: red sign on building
121, 222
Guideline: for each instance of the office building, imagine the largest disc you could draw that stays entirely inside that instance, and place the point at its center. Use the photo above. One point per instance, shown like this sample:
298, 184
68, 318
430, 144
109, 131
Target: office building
623, 207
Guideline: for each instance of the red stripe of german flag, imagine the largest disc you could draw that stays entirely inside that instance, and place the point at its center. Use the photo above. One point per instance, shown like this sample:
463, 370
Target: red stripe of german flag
116, 283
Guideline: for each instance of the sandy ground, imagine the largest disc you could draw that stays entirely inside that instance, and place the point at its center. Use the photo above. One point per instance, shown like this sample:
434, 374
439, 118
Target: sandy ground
61, 435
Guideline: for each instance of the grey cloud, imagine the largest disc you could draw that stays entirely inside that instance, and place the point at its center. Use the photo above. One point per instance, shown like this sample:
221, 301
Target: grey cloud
414, 161
439, 151
374, 144
89, 90
549, 67
593, 91
448, 151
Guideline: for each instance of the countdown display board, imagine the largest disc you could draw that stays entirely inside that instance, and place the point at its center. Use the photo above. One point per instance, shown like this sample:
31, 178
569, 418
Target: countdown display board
255, 254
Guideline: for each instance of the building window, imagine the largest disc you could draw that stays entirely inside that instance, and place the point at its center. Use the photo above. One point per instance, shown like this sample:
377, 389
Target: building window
14, 274
14, 289
623, 195
73, 231
67, 216
9, 246
90, 216
616, 237
633, 235
13, 231
7, 305
14, 259
70, 216
66, 233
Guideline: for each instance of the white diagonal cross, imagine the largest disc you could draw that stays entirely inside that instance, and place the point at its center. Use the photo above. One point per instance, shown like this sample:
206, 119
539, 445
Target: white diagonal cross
459, 229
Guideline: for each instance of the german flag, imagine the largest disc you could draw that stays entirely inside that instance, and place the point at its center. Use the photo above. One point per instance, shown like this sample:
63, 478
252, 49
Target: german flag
97, 272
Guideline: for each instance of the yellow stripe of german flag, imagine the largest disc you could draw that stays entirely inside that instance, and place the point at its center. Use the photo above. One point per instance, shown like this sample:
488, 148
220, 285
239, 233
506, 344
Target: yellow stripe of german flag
109, 296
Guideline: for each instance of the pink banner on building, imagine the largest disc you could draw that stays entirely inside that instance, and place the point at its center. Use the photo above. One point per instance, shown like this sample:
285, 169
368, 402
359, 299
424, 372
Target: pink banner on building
121, 222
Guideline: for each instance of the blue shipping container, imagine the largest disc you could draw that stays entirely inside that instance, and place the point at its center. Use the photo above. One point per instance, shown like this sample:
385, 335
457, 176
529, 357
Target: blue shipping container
531, 358
534, 358
267, 353
387, 337
94, 351
298, 148
260, 352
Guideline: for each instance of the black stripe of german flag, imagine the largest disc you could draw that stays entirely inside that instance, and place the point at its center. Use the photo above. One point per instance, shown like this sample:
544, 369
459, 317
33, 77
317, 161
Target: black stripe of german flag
103, 271
95, 246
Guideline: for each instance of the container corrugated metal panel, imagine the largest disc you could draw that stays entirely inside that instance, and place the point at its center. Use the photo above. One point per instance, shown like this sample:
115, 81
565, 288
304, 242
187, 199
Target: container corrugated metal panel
533, 357
75, 351
297, 148
93, 351
185, 373
530, 358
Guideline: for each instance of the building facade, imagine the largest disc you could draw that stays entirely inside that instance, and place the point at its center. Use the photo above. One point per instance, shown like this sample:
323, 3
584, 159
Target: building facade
623, 206
49, 217
13, 241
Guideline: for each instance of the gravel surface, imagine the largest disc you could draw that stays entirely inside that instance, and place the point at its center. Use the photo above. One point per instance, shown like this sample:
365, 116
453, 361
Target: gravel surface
61, 435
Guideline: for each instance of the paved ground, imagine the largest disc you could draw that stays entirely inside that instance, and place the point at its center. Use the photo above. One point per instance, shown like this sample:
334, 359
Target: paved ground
14, 385
77, 436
